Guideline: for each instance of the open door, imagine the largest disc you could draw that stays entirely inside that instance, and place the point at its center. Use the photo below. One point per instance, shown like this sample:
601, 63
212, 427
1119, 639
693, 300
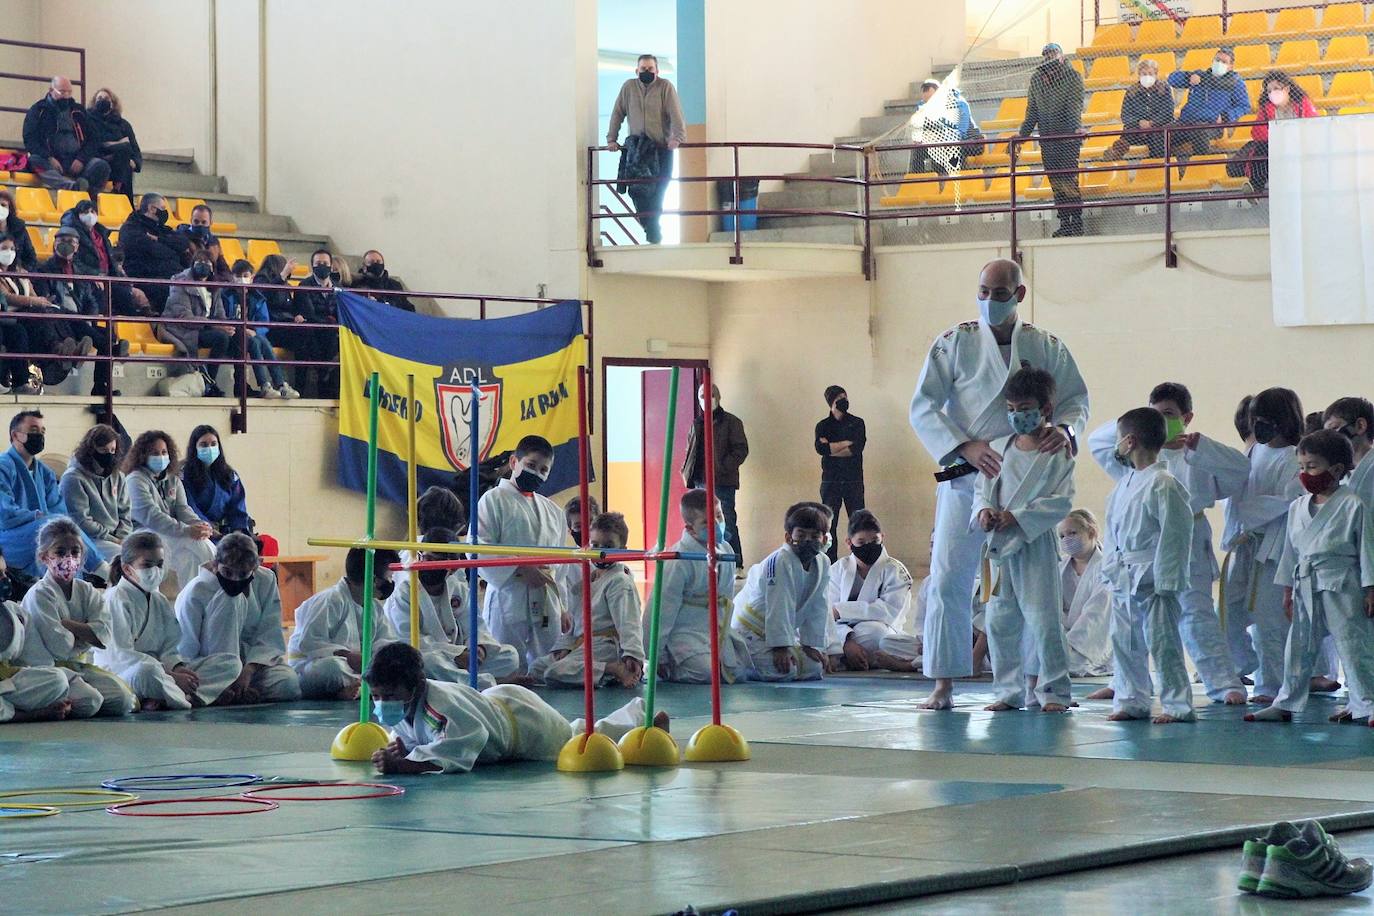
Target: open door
654, 387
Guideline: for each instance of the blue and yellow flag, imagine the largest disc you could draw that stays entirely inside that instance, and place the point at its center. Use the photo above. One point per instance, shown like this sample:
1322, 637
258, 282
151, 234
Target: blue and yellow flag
525, 367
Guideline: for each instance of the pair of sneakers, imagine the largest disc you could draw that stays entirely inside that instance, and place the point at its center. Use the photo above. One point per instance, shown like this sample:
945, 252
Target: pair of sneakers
1300, 860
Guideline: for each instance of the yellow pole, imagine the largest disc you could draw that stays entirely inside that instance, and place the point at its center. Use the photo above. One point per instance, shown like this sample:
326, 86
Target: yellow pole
414, 510
483, 550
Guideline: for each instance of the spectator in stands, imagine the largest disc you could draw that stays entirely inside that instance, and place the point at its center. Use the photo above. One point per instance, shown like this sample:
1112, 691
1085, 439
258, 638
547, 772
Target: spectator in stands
953, 122
314, 303
80, 300
196, 302
373, 276
651, 105
96, 255
1054, 105
271, 383
275, 270
1147, 104
213, 488
158, 503
28, 335
1215, 96
116, 141
62, 144
151, 249
17, 230
1283, 98
731, 448
96, 491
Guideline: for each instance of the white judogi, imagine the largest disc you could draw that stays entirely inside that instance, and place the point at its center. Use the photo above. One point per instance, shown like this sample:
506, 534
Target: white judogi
1037, 488
457, 727
1087, 617
444, 633
1210, 472
959, 399
873, 617
617, 630
48, 642
684, 630
328, 623
1361, 479
527, 618
1145, 563
783, 605
1237, 577
25, 690
1328, 561
144, 649
1261, 515
246, 626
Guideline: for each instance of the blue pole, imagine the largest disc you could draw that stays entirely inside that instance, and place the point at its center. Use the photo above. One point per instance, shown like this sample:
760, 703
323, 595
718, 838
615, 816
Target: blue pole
474, 463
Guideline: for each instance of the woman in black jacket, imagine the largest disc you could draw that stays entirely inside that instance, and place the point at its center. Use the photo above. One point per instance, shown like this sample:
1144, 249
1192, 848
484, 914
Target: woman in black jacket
116, 141
1148, 103
18, 230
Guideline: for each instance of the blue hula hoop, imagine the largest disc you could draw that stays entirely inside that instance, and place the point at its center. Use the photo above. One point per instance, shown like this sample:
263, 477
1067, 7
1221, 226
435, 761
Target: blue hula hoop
140, 783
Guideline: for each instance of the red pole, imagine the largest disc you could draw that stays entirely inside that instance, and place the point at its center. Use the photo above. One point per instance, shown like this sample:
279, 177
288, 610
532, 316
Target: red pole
588, 679
708, 464
632, 557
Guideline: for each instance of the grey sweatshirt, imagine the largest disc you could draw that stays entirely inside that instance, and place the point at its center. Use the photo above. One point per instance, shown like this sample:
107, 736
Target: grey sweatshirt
653, 110
99, 505
160, 505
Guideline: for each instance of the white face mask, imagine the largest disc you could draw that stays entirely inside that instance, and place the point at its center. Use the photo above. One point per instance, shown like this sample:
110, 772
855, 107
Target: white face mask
88, 219
1278, 96
6, 256
4, 212
1147, 80
1219, 68
149, 579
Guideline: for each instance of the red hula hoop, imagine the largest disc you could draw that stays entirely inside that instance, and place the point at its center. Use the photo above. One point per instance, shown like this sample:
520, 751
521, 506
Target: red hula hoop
256, 806
387, 791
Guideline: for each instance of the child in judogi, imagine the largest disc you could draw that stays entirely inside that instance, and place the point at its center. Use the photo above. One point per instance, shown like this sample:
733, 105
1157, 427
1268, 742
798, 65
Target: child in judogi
67, 619
444, 622
232, 607
143, 648
1087, 601
1237, 570
1019, 509
617, 637
523, 608
326, 647
567, 576
1145, 561
782, 610
26, 694
869, 594
684, 634
1327, 575
450, 728
1354, 419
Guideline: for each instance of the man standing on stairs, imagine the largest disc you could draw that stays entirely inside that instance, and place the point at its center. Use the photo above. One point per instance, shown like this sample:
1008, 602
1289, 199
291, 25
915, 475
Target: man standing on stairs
1054, 105
652, 107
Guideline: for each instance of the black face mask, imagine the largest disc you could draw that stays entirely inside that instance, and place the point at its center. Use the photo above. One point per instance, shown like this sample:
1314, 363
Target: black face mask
867, 554
105, 461
607, 565
842, 405
576, 536
646, 77
233, 587
320, 271
34, 443
807, 550
376, 269
1264, 430
102, 106
64, 250
201, 270
529, 482
199, 233
5, 588
383, 588
432, 580
160, 216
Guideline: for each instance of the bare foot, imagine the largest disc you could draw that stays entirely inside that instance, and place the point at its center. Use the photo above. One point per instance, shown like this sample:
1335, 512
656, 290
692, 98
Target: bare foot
523, 680
150, 706
1269, 714
54, 713
1324, 685
1123, 716
1166, 719
1234, 698
349, 692
942, 697
1054, 707
661, 720
1073, 705
855, 658
1341, 715
1102, 693
999, 706
1262, 700
891, 662
622, 674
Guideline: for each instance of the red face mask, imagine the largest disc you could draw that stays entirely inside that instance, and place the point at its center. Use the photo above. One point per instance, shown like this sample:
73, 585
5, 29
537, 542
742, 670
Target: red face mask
1317, 483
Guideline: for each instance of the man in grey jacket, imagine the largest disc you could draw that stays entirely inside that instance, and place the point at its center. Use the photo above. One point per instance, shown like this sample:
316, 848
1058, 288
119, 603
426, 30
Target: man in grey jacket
1054, 106
651, 106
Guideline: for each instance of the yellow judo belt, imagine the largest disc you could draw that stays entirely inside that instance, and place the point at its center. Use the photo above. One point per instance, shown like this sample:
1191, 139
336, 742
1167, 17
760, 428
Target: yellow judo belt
510, 717
988, 587
1252, 586
8, 671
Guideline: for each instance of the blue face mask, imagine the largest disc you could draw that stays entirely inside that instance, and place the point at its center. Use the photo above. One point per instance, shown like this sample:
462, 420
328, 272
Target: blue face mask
1025, 422
158, 463
701, 534
390, 713
995, 312
208, 454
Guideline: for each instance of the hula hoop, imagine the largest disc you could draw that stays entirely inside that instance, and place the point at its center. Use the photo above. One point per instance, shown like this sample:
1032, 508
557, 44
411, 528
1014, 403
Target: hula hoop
256, 806
105, 797
387, 791
145, 783
26, 811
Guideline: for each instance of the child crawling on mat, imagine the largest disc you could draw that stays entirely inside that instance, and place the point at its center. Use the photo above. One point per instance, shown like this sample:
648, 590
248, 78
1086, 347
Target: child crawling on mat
450, 728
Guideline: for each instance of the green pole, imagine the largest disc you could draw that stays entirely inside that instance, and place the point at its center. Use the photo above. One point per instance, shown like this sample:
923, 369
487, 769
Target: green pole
374, 405
658, 564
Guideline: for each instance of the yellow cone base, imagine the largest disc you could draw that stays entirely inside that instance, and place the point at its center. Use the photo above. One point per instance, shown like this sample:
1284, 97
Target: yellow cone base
716, 744
649, 747
590, 754
358, 741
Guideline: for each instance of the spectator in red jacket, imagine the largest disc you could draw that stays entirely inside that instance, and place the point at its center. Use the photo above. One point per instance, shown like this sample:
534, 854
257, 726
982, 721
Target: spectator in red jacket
1282, 99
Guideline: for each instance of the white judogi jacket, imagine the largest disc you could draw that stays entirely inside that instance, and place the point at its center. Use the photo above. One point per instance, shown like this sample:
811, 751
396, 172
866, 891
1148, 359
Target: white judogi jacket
783, 604
959, 395
1361, 480
683, 627
145, 627
331, 622
617, 612
885, 595
1148, 536
247, 626
46, 641
442, 630
456, 727
1331, 552
1087, 616
1261, 508
1036, 487
507, 516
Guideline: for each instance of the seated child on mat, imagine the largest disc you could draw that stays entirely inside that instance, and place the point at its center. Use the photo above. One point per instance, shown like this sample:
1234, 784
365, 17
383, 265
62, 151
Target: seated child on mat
869, 593
326, 647
37, 694
450, 728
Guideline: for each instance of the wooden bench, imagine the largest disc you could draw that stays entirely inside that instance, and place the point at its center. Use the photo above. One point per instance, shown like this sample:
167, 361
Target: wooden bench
295, 581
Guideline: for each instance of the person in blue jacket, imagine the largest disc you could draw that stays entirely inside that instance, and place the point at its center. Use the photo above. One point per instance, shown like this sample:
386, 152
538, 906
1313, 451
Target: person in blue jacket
213, 489
1215, 96
271, 383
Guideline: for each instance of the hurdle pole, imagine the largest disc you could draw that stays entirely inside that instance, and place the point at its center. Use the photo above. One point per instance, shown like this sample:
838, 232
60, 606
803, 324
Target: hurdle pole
489, 550
652, 680
413, 513
583, 447
474, 466
540, 561
708, 464
373, 409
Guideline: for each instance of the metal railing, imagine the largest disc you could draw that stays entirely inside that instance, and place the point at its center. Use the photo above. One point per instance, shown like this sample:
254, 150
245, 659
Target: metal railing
79, 82
867, 212
242, 362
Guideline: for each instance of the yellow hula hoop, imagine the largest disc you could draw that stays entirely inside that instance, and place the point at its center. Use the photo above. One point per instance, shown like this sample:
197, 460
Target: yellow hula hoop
29, 811
103, 797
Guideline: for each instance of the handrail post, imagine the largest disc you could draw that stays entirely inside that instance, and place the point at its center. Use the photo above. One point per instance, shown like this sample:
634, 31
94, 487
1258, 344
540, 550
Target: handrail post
738, 257
592, 259
81, 55
1011, 151
109, 342
591, 363
239, 423
869, 265
1170, 254
482, 309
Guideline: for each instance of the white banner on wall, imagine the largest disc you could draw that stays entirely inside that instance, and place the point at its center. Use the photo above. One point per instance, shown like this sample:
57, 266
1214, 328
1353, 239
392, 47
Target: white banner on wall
1321, 220
1136, 10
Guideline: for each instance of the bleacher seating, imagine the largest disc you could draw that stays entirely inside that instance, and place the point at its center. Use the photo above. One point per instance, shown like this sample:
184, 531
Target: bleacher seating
1252, 30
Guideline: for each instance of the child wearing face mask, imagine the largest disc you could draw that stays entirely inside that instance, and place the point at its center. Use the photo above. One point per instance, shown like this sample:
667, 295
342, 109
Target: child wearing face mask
1019, 509
233, 608
567, 576
326, 646
1326, 572
1353, 417
66, 620
444, 621
271, 382
782, 610
145, 634
1087, 604
523, 607
869, 593
29, 693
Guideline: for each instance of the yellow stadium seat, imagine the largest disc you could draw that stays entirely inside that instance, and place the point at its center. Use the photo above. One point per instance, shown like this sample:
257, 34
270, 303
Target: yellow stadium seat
1117, 35
34, 204
24, 178
1300, 20
1247, 25
1145, 180
300, 271
1253, 88
1198, 178
1357, 109
282, 353
1201, 30
1232, 141
1297, 55
113, 209
1095, 184
259, 249
999, 190
1343, 17
68, 199
185, 205
1198, 59
114, 237
1252, 58
908, 195
1077, 64
40, 242
1167, 62
1010, 113
157, 348
1108, 71
1349, 87
135, 332
232, 250
1156, 33
1104, 106
1311, 83
1347, 50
